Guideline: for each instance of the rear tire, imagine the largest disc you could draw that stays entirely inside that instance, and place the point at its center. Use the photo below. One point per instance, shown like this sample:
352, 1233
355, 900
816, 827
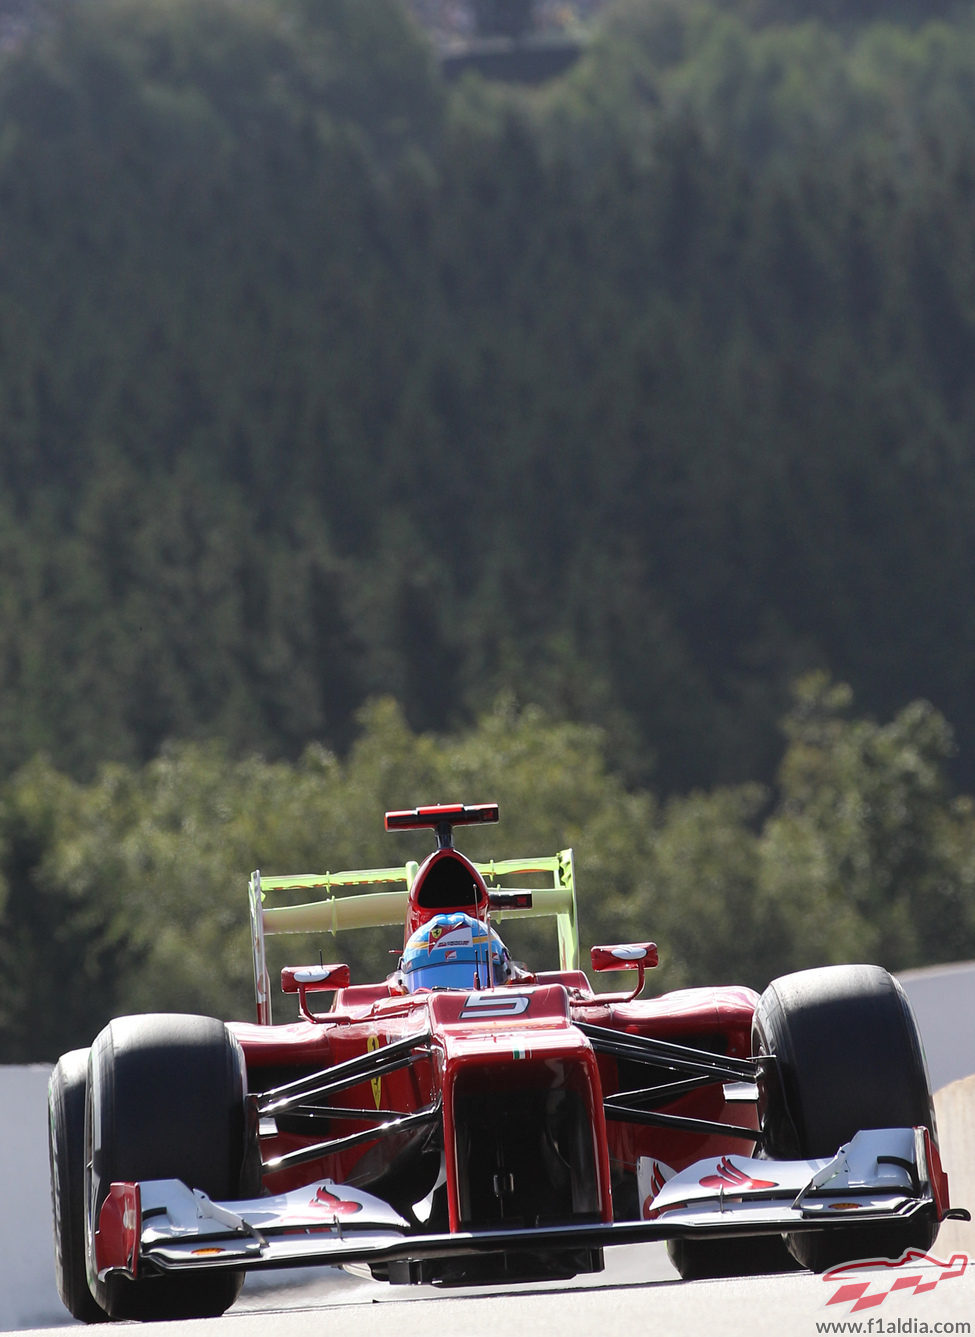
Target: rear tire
166, 1101
747, 1256
848, 1057
66, 1148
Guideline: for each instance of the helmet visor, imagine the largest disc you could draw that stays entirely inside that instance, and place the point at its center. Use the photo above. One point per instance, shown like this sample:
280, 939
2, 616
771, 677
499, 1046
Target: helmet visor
445, 974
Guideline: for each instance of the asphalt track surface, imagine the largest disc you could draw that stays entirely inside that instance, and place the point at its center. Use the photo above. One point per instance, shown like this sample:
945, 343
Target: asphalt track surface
621, 1303
616, 1301
638, 1292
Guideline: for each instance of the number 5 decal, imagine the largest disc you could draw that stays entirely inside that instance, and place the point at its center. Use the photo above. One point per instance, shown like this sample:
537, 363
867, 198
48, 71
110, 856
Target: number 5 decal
494, 1005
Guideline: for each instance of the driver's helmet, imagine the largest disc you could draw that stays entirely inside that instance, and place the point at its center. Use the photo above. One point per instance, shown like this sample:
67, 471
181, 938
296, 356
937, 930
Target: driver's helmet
450, 951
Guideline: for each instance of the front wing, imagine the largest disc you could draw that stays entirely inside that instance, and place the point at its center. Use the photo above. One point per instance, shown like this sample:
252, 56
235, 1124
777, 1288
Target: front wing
162, 1226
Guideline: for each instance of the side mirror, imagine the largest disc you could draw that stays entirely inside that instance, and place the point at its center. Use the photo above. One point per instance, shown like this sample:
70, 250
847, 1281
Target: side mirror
626, 956
313, 979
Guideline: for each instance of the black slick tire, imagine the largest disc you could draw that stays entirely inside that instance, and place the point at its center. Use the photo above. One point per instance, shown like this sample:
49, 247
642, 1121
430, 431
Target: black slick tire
66, 1148
166, 1101
749, 1256
847, 1056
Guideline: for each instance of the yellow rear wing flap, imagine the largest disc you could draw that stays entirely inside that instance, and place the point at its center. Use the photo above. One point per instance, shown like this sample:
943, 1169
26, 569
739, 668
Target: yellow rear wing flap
339, 906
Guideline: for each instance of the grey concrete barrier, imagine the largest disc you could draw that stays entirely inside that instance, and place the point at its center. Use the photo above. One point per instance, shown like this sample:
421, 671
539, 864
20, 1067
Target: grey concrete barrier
943, 998
28, 1297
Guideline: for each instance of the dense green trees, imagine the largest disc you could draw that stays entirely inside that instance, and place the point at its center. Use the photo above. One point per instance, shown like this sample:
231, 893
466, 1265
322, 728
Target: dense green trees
638, 394
128, 892
634, 397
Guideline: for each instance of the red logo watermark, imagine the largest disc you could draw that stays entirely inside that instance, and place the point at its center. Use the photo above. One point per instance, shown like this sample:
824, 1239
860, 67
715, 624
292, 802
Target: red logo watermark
915, 1272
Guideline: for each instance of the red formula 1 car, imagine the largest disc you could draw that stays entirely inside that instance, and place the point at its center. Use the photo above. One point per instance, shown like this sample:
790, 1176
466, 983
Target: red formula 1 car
470, 1121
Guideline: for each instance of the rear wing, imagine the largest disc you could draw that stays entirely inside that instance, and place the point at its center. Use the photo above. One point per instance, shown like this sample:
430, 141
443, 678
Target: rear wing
332, 912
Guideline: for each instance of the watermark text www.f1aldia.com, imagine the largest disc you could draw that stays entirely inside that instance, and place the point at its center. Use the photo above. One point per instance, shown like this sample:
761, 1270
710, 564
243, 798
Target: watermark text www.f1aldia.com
890, 1325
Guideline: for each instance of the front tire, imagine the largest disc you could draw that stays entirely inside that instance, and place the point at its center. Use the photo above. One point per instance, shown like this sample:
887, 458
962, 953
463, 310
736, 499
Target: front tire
165, 1101
847, 1056
66, 1148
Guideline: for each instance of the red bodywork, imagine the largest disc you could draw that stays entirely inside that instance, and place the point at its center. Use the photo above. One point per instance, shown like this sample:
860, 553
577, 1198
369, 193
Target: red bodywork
512, 1052
519, 1089
461, 1134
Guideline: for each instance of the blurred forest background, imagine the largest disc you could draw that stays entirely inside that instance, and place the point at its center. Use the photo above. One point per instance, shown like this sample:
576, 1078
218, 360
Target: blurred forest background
603, 446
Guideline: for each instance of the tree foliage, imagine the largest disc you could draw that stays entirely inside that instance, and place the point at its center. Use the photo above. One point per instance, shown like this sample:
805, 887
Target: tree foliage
128, 893
637, 395
628, 400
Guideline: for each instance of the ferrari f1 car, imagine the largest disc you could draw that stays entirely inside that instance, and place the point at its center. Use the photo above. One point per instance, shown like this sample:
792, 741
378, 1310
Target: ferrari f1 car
468, 1120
